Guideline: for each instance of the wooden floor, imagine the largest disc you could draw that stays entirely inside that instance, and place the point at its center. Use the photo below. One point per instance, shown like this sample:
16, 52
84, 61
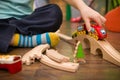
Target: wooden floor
95, 69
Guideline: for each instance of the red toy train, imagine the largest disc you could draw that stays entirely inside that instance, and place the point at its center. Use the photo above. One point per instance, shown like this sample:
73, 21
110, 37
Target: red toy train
12, 63
96, 31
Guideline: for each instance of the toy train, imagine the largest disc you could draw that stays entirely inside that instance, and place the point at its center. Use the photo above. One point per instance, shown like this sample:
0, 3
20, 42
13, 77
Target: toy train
96, 32
12, 63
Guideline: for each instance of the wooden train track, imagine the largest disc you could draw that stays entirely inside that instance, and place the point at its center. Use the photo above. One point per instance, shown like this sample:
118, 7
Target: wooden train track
66, 66
51, 58
107, 50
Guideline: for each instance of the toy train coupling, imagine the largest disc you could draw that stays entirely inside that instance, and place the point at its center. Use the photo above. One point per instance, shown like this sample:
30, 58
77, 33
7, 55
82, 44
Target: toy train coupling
80, 31
96, 32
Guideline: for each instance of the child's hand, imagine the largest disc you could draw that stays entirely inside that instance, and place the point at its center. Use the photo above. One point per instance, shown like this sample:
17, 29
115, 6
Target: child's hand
89, 15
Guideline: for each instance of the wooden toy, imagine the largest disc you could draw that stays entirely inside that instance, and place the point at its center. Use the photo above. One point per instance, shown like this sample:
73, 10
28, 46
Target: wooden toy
66, 38
98, 46
97, 43
36, 52
79, 53
51, 58
96, 32
66, 66
56, 56
103, 47
12, 63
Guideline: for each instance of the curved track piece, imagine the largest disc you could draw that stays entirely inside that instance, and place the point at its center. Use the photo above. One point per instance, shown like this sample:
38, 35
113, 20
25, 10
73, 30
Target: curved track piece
66, 66
56, 56
35, 53
109, 53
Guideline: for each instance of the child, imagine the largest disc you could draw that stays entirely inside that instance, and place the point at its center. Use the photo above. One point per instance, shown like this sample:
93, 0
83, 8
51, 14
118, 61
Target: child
22, 27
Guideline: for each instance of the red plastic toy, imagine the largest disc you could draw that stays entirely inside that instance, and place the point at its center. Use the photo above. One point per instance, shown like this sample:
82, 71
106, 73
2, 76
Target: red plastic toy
97, 31
77, 19
100, 32
12, 63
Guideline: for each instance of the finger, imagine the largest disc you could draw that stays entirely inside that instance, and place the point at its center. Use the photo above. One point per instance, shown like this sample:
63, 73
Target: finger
103, 19
87, 22
97, 19
100, 20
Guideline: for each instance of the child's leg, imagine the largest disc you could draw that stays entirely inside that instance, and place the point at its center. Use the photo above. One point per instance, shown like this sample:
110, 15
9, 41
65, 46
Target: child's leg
42, 20
34, 40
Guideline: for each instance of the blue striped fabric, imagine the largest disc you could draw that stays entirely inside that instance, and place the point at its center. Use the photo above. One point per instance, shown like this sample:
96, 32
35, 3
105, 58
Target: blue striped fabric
25, 41
31, 41
38, 39
48, 38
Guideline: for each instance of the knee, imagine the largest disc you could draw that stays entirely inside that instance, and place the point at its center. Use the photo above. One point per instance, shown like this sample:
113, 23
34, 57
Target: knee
56, 10
56, 15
